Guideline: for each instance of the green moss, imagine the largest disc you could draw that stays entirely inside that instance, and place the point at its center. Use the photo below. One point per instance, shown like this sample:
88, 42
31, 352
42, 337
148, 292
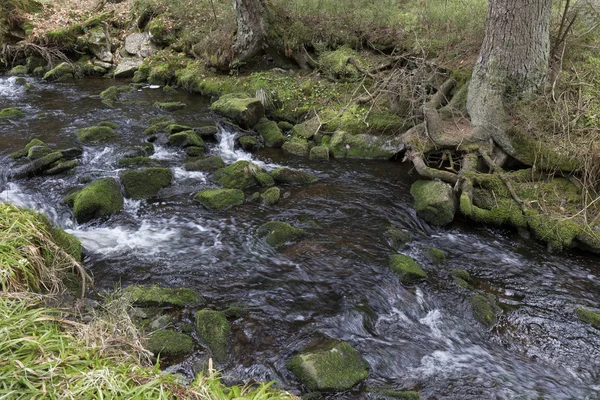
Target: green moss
69, 243
337, 366
406, 268
398, 237
356, 120
95, 134
159, 125
285, 126
249, 143
194, 151
60, 72
306, 130
11, 113
218, 199
243, 110
435, 256
66, 37
461, 277
207, 130
279, 233
110, 124
23, 152
176, 128
100, 198
394, 393
112, 94
62, 166
129, 162
36, 152
213, 330
362, 146
168, 343
319, 153
271, 196
484, 309
18, 70
588, 316
529, 151
145, 183
209, 163
434, 201
334, 64
170, 106
240, 175
296, 146
156, 296
160, 32
186, 139
292, 176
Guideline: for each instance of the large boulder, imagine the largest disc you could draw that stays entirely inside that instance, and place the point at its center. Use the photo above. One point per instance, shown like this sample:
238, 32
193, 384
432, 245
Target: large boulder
270, 132
292, 176
243, 174
406, 268
95, 134
100, 198
364, 146
146, 182
127, 67
434, 201
278, 233
246, 111
213, 330
61, 72
218, 199
169, 343
139, 44
296, 146
335, 367
156, 296
185, 139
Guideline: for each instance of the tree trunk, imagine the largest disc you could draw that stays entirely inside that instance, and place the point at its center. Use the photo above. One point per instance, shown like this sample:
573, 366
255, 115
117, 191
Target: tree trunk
513, 61
251, 37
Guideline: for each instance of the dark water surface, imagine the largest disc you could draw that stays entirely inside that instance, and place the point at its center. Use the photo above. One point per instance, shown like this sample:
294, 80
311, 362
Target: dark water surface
336, 282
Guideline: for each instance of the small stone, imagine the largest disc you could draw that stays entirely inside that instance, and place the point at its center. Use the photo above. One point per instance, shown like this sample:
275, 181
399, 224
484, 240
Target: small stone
271, 196
169, 343
406, 268
278, 233
292, 176
214, 331
218, 199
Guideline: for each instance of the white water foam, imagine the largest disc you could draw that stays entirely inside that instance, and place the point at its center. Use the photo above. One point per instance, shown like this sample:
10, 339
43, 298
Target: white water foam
164, 153
181, 174
9, 88
227, 149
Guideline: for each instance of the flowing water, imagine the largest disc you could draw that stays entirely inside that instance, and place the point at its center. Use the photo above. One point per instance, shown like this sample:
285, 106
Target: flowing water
336, 282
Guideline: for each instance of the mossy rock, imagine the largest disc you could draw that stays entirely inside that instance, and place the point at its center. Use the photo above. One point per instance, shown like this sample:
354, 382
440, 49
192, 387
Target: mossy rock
38, 166
271, 196
306, 130
383, 393
112, 94
485, 309
218, 199
461, 277
146, 182
100, 198
59, 73
11, 113
23, 152
270, 132
61, 166
131, 162
176, 128
336, 367
171, 106
140, 150
156, 296
285, 126
244, 110
435, 256
589, 316
18, 70
398, 237
36, 152
279, 233
434, 201
335, 65
207, 131
296, 146
249, 143
194, 151
95, 134
159, 125
240, 175
110, 124
292, 176
363, 146
319, 153
406, 268
169, 343
186, 139
213, 330
209, 163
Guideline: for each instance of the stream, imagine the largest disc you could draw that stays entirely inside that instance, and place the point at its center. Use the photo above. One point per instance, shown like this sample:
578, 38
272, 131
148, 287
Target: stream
336, 282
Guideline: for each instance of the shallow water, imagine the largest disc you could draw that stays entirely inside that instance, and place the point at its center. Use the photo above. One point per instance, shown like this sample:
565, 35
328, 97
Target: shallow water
336, 282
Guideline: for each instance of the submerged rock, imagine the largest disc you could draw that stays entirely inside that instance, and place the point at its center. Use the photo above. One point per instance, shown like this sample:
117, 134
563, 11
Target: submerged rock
279, 233
171, 106
243, 174
100, 198
589, 316
270, 132
435, 256
292, 176
434, 201
271, 196
146, 182
38, 166
485, 309
95, 134
169, 343
112, 94
218, 199
397, 237
61, 166
336, 367
213, 330
461, 277
209, 163
11, 113
406, 268
156, 296
246, 111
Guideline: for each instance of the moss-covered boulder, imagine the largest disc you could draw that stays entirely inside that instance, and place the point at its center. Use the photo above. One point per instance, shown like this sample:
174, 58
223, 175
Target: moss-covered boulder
335, 64
407, 269
11, 113
589, 316
296, 146
307, 129
364, 146
397, 237
95, 134
112, 94
159, 125
485, 309
278, 233
249, 143
38, 166
146, 182
243, 174
319, 153
18, 70
24, 151
461, 277
171, 106
156, 296
246, 111
434, 201
176, 128
435, 256
61, 166
335, 367
270, 132
36, 152
292, 176
100, 198
140, 150
61, 72
209, 163
186, 139
207, 131
218, 199
213, 330
169, 343
270, 196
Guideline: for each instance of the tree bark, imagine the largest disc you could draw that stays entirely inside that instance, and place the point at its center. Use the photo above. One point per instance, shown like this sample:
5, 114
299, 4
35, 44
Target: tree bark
251, 37
512, 62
